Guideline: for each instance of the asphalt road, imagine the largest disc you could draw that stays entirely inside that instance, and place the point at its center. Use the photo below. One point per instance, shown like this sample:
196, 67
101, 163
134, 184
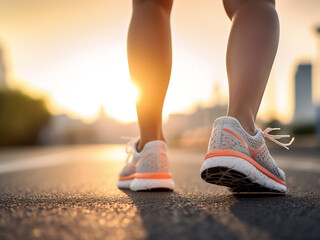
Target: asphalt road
71, 193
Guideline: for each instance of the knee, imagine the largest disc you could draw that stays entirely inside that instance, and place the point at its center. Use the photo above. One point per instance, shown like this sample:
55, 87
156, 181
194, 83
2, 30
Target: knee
147, 5
232, 6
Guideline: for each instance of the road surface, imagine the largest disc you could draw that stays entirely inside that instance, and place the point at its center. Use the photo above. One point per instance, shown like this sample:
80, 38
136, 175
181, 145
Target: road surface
70, 193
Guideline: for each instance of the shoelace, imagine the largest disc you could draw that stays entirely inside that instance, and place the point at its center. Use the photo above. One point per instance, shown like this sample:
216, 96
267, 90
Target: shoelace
274, 137
129, 147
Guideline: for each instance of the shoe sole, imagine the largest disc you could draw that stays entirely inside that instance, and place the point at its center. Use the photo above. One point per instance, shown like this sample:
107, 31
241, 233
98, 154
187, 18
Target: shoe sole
139, 184
124, 184
239, 175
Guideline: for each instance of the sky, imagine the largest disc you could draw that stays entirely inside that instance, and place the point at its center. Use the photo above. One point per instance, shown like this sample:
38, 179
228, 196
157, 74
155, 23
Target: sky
73, 53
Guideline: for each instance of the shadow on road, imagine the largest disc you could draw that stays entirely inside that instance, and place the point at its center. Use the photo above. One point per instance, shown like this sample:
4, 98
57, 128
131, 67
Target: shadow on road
169, 215
281, 217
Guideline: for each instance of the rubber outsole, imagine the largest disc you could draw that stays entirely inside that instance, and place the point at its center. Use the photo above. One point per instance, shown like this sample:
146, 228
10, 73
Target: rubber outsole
124, 184
139, 184
239, 175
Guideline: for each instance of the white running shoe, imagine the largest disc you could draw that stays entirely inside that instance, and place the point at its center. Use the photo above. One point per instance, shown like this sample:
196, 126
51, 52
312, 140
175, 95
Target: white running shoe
240, 161
148, 169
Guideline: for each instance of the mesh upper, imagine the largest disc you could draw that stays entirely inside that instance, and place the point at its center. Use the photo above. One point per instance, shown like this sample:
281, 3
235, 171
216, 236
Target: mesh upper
154, 155
128, 170
157, 162
221, 139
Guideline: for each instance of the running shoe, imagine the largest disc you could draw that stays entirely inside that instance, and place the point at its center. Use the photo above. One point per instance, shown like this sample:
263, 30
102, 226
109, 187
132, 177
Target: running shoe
148, 169
242, 162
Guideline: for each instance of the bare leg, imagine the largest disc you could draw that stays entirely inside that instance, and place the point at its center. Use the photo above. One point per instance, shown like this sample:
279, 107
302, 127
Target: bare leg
150, 60
252, 46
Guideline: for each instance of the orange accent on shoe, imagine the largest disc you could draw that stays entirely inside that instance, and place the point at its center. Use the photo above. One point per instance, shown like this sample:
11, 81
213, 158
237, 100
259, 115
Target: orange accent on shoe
130, 177
214, 131
132, 166
153, 175
227, 152
163, 154
250, 150
142, 159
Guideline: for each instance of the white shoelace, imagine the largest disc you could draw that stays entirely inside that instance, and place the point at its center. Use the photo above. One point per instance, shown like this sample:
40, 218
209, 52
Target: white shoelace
130, 147
274, 137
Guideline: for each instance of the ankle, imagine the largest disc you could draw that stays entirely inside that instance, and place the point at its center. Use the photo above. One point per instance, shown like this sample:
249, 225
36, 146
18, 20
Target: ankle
247, 122
143, 141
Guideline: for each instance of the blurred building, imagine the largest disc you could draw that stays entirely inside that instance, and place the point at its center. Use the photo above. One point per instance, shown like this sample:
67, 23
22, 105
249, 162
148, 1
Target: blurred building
108, 130
62, 129
304, 108
180, 129
192, 129
3, 71
316, 82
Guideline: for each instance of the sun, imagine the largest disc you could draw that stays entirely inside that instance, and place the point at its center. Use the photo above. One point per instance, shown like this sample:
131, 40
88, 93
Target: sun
95, 80
120, 102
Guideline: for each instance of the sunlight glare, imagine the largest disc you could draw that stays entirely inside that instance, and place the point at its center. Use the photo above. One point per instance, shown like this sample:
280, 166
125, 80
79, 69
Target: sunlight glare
95, 80
121, 102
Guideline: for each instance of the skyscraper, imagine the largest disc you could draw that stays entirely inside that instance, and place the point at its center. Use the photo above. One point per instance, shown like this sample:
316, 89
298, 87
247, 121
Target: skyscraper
304, 108
316, 82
